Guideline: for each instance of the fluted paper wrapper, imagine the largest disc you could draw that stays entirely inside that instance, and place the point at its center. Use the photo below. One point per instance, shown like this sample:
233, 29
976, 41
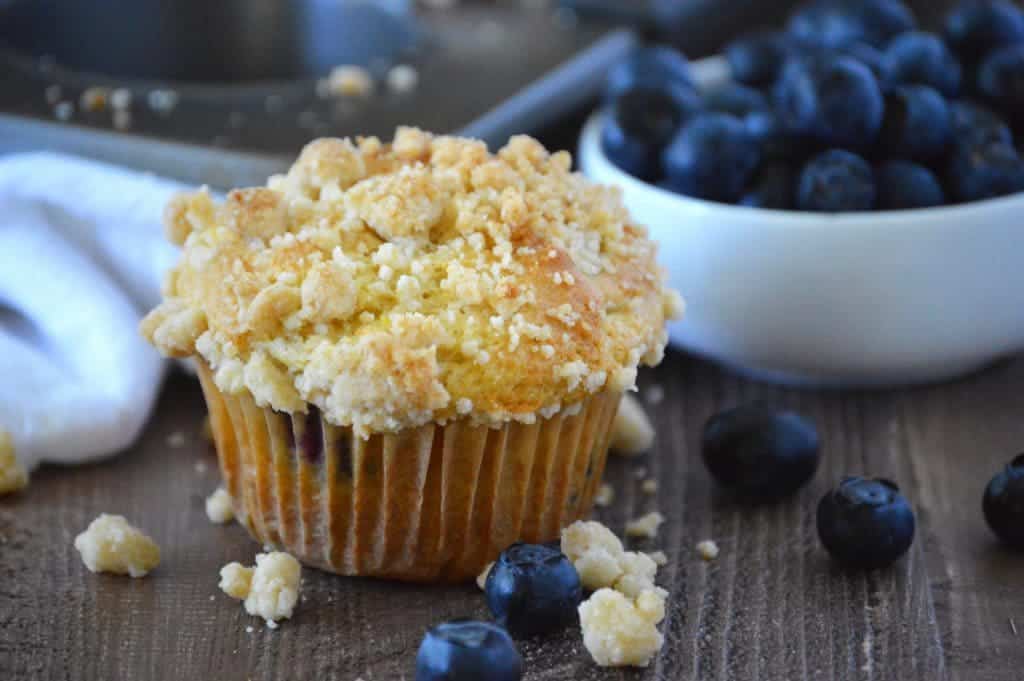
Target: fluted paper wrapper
432, 503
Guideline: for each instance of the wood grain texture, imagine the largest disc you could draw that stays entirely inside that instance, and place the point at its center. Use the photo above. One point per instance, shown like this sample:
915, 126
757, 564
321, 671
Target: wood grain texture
772, 606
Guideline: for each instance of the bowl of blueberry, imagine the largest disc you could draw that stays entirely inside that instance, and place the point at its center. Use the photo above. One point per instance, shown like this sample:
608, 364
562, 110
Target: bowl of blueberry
839, 201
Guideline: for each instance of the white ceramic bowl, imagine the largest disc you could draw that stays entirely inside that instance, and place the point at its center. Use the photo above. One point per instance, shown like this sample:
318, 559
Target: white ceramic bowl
860, 299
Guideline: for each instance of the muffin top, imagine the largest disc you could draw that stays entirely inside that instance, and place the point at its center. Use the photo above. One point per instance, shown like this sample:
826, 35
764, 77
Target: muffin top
423, 280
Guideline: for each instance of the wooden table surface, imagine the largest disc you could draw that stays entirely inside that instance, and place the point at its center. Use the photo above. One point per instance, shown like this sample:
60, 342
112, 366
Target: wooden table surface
772, 606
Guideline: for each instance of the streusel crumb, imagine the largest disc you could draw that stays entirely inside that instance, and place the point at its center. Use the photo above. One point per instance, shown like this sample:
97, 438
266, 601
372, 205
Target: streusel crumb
112, 544
13, 475
659, 557
605, 495
621, 631
396, 284
270, 590
632, 432
645, 526
218, 507
602, 561
707, 549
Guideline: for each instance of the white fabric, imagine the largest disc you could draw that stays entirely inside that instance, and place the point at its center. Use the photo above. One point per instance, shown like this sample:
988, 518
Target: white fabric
82, 255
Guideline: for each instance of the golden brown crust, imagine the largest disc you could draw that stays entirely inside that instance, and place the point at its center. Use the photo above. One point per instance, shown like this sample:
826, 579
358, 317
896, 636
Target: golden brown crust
393, 285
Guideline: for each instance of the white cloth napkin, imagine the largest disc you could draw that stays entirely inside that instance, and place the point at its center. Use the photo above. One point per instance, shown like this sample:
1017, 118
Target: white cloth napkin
82, 255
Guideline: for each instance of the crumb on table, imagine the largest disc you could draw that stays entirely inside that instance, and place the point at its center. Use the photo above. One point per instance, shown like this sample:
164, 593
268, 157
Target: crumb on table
269, 590
646, 526
632, 432
218, 507
605, 495
112, 544
707, 549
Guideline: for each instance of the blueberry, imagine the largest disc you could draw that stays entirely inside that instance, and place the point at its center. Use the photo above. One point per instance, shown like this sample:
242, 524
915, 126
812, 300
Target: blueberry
873, 58
824, 23
839, 23
917, 123
533, 589
974, 124
650, 67
1001, 80
760, 452
712, 158
774, 186
976, 27
757, 58
903, 185
985, 170
836, 99
640, 122
923, 59
466, 650
881, 20
1003, 504
774, 139
865, 523
738, 100
836, 181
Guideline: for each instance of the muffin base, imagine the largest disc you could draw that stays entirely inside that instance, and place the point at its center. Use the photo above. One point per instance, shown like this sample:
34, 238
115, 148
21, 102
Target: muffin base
432, 503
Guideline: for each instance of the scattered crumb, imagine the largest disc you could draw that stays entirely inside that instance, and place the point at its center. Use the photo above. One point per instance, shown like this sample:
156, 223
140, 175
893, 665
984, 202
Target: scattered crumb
206, 430
707, 549
63, 111
619, 620
632, 432
249, 630
176, 439
270, 589
52, 94
619, 631
212, 597
347, 80
649, 486
162, 101
654, 395
659, 558
640, 473
402, 78
1013, 626
218, 507
13, 476
111, 544
481, 579
645, 526
605, 495
94, 99
200, 467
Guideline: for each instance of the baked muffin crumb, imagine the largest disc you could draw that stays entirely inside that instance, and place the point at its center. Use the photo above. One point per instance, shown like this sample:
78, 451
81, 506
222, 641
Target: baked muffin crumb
632, 432
269, 590
646, 526
605, 495
707, 549
13, 476
622, 631
218, 507
481, 579
112, 544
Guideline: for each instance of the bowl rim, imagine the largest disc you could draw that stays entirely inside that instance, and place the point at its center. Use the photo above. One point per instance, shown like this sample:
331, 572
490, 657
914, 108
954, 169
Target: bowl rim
590, 152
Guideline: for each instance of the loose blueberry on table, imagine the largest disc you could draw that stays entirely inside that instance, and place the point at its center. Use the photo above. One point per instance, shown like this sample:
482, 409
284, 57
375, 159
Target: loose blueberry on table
760, 452
930, 119
533, 589
1003, 504
866, 523
467, 650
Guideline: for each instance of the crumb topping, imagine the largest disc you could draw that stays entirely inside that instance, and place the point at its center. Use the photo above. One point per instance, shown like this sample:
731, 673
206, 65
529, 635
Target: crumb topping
632, 431
13, 475
270, 590
605, 495
707, 549
422, 280
646, 526
112, 544
218, 507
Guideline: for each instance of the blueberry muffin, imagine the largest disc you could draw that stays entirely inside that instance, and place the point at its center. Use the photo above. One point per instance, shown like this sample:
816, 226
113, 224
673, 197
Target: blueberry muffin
412, 352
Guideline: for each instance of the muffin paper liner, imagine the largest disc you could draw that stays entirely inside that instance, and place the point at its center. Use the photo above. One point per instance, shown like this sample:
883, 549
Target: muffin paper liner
432, 503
